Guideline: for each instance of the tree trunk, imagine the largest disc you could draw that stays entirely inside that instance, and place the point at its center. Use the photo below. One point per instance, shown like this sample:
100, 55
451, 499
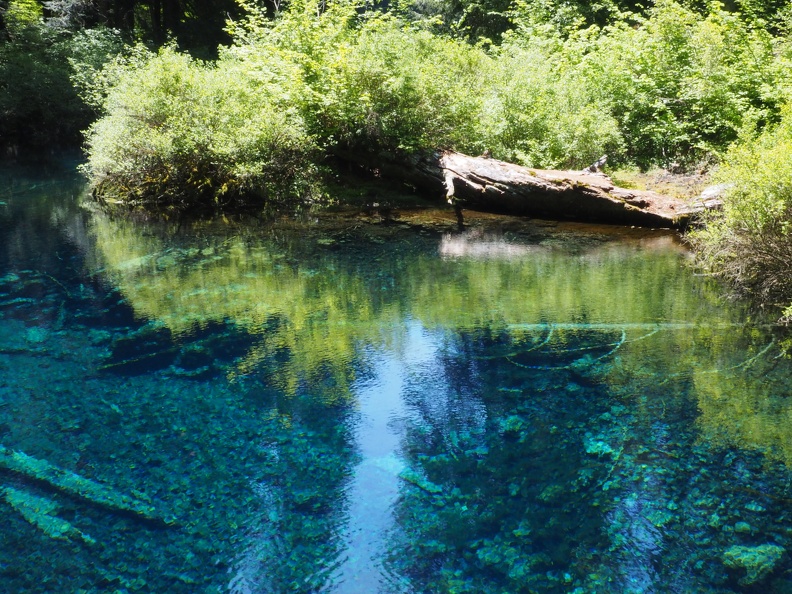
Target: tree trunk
123, 15
171, 17
157, 30
486, 184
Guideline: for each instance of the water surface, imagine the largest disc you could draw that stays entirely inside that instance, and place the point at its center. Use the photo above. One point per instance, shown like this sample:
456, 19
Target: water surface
357, 404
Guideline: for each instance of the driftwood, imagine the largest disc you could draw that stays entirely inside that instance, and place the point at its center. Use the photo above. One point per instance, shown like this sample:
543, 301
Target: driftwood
486, 184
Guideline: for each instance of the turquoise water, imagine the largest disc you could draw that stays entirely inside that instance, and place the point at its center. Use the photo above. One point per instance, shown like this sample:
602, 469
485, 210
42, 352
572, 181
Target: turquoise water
353, 404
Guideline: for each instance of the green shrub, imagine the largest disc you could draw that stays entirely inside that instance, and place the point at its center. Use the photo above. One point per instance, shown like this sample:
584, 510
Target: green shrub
539, 111
749, 242
371, 83
674, 87
682, 86
178, 132
377, 84
401, 89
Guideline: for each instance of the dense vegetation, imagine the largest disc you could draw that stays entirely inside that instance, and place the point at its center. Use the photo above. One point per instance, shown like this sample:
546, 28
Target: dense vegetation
750, 241
192, 109
672, 87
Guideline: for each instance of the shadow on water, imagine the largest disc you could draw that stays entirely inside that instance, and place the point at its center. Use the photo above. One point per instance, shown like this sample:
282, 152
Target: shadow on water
351, 405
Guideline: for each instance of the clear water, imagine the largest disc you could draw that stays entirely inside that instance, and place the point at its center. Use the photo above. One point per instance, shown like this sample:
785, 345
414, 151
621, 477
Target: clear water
349, 405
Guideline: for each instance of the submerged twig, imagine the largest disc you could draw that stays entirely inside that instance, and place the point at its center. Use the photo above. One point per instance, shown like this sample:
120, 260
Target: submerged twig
57, 282
40, 512
745, 363
616, 459
522, 351
574, 364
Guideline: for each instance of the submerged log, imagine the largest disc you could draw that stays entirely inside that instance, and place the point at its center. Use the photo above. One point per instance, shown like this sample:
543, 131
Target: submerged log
40, 512
489, 185
75, 485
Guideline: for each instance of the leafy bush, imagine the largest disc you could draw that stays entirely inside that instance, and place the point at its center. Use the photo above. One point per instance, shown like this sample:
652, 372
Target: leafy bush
372, 83
683, 86
179, 132
378, 84
672, 87
400, 89
749, 242
539, 111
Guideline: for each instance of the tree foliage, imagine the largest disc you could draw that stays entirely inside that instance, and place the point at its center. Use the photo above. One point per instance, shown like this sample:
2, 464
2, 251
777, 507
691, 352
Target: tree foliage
197, 25
39, 104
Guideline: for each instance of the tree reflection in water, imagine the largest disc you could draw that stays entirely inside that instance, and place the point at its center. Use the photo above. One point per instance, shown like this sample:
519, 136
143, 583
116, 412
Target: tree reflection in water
541, 436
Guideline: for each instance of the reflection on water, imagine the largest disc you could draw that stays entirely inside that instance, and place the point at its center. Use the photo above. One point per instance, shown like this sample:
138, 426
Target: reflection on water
477, 246
354, 407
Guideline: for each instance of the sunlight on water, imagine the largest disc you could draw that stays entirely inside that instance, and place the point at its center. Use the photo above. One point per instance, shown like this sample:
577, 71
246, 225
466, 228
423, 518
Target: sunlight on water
344, 405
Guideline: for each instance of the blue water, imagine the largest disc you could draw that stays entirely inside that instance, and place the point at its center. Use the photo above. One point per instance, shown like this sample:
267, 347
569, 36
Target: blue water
351, 403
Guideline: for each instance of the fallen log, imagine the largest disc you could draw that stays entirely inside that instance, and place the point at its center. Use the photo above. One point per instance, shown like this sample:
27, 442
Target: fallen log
73, 484
40, 512
489, 185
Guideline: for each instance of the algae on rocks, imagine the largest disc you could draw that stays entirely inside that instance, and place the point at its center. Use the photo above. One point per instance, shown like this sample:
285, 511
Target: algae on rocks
757, 561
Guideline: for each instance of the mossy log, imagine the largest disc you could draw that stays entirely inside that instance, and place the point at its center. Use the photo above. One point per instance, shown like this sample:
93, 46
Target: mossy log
40, 512
75, 485
489, 185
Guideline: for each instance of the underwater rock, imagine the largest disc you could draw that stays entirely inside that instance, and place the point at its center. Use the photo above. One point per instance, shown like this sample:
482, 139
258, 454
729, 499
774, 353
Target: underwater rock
36, 335
194, 357
715, 521
194, 361
598, 447
99, 337
743, 527
552, 493
512, 425
757, 561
